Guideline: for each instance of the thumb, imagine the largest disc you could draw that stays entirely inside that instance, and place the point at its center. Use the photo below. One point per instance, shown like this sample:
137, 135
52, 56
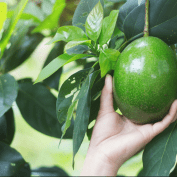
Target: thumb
106, 100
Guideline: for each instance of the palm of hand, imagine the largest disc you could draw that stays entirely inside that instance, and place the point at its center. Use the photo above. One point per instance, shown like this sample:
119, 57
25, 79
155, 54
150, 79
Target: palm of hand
115, 136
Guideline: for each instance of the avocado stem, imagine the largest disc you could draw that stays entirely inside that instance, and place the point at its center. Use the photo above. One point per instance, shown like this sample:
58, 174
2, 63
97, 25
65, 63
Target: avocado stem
95, 64
123, 46
146, 28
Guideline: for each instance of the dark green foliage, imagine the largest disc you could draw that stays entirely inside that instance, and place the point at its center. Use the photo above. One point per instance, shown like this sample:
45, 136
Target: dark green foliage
46, 171
22, 46
37, 106
83, 111
7, 127
8, 92
79, 49
12, 163
67, 88
159, 156
162, 24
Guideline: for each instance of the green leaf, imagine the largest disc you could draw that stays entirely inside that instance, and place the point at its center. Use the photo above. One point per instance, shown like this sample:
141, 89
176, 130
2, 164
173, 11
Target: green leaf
94, 22
159, 156
53, 80
83, 112
163, 17
57, 63
108, 27
76, 43
7, 127
71, 86
107, 60
73, 105
82, 11
124, 11
17, 14
3, 14
51, 22
68, 119
67, 34
12, 163
8, 92
37, 106
48, 171
79, 49
22, 46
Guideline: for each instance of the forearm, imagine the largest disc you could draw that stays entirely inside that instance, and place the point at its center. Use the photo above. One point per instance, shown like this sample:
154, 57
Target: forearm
97, 165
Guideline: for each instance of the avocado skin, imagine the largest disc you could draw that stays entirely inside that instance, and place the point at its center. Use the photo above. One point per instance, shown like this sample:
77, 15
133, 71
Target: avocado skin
145, 80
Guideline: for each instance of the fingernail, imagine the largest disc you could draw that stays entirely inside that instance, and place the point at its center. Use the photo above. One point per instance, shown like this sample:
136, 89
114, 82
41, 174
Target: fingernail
108, 75
108, 82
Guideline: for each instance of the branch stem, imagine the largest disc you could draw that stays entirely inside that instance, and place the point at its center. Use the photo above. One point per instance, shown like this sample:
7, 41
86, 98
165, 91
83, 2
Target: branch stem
146, 28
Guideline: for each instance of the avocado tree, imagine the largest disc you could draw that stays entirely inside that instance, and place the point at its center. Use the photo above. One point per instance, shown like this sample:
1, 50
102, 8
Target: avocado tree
100, 30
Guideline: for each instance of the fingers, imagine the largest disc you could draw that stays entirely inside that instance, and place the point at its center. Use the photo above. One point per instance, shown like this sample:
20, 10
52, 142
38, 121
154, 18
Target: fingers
106, 100
168, 119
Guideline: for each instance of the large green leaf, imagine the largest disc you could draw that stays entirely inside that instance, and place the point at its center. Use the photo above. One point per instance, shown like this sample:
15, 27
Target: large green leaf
48, 171
82, 11
67, 91
37, 106
163, 17
51, 22
107, 60
81, 94
56, 64
79, 49
67, 123
3, 13
67, 34
108, 27
94, 22
17, 14
74, 43
124, 12
22, 46
7, 127
83, 111
159, 156
53, 80
12, 163
8, 92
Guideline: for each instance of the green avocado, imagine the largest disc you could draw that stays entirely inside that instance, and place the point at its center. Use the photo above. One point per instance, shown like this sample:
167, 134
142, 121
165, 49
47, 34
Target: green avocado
145, 80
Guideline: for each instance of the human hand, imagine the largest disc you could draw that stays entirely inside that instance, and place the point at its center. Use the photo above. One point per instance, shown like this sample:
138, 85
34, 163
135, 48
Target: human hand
115, 138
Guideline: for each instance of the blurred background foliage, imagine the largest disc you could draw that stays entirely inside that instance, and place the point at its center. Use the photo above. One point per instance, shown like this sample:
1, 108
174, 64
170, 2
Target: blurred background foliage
36, 148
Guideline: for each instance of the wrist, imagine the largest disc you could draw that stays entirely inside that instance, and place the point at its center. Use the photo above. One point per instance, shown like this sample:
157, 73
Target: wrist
96, 164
